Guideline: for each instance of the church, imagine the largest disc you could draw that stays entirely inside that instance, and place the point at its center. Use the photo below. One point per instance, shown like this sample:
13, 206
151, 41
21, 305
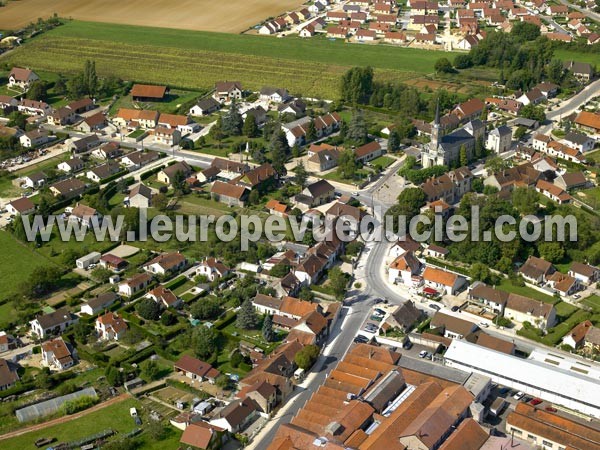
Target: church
444, 149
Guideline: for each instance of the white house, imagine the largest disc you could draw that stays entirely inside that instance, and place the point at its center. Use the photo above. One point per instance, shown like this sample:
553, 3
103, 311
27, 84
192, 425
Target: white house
53, 323
135, 284
579, 141
499, 139
34, 138
265, 304
22, 206
57, 355
99, 303
21, 78
448, 282
166, 263
584, 273
212, 269
110, 327
72, 165
404, 268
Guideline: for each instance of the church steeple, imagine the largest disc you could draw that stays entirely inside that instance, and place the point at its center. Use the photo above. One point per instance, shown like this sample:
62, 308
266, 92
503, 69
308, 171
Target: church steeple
435, 129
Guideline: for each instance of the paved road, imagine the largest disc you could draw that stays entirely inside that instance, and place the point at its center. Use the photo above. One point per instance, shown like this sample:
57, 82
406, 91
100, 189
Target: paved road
341, 339
591, 14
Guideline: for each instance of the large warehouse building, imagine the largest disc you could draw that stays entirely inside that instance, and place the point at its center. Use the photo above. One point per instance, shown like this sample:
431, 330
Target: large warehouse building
568, 388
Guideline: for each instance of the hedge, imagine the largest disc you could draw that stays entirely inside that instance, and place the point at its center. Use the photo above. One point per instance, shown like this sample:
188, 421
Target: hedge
151, 172
114, 176
229, 318
174, 284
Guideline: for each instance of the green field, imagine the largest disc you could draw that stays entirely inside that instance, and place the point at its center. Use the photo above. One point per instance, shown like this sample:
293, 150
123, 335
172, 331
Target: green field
195, 60
16, 264
115, 417
592, 58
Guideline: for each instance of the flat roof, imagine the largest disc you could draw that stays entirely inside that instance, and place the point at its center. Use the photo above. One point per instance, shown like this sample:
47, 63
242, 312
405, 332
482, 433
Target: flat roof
434, 370
544, 376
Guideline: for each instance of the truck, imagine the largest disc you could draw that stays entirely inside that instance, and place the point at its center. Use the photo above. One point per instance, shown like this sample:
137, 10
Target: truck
497, 406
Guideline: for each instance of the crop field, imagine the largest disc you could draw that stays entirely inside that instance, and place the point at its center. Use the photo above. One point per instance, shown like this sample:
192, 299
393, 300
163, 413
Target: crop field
231, 16
195, 60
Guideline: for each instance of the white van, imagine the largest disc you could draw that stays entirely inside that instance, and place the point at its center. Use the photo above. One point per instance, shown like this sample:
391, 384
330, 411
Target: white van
299, 374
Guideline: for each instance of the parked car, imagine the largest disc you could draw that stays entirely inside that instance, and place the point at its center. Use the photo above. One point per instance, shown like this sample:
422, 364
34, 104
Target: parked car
454, 308
434, 306
376, 318
576, 296
378, 301
503, 390
379, 311
536, 401
408, 345
550, 409
422, 354
483, 325
519, 395
360, 339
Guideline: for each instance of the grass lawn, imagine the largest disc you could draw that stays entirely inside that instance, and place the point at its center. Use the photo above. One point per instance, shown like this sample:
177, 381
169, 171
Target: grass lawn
592, 58
192, 204
590, 197
115, 417
506, 285
383, 161
170, 105
47, 164
334, 176
196, 60
17, 262
593, 301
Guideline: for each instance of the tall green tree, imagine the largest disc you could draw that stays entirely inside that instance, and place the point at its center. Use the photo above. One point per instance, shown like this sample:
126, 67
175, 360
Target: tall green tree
280, 150
357, 85
393, 141
232, 121
250, 128
204, 341
311, 132
357, 129
246, 316
347, 165
267, 329
301, 175
463, 158
337, 282
38, 91
90, 78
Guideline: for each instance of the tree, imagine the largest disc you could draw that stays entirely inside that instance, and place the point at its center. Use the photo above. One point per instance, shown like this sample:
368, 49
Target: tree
525, 31
520, 132
301, 175
347, 165
43, 380
555, 71
525, 200
551, 251
246, 316
81, 331
168, 319
179, 184
114, 377
307, 356
480, 272
216, 131
42, 280
357, 129
206, 309
495, 165
267, 329
311, 132
204, 341
462, 61
443, 65
90, 78
393, 141
224, 382
148, 309
232, 120
463, 158
357, 85
160, 202
533, 112
17, 119
337, 282
306, 294
250, 128
150, 370
38, 91
280, 150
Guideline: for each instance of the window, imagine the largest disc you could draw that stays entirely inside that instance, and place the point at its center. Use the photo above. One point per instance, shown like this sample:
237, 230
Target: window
547, 444
531, 437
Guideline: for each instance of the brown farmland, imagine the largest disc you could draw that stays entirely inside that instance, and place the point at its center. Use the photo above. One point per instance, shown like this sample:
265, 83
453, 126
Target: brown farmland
231, 16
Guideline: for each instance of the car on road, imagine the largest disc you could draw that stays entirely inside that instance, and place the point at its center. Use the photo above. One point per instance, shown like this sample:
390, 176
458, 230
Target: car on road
355, 193
550, 409
377, 301
422, 353
454, 308
503, 390
434, 306
483, 325
519, 395
536, 401
360, 339
576, 296
407, 345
